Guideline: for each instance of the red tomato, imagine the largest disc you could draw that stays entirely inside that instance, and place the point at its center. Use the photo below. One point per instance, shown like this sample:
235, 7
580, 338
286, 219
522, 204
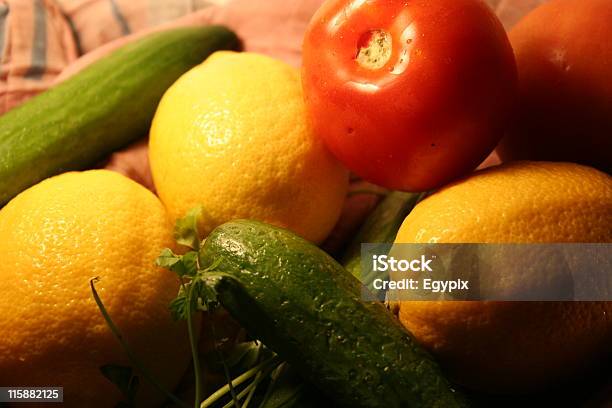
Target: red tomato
428, 102
564, 56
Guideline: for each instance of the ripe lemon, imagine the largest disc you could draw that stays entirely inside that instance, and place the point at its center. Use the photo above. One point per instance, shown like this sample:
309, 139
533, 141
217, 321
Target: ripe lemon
232, 136
54, 237
514, 346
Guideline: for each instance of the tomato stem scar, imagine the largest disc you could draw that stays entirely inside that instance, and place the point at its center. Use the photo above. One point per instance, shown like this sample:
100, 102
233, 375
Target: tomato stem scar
374, 49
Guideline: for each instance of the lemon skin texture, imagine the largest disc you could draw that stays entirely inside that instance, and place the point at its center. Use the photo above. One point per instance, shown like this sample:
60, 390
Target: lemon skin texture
510, 347
55, 237
232, 136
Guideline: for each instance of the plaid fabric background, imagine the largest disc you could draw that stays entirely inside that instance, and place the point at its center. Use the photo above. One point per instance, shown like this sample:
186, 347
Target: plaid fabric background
35, 45
96, 22
39, 38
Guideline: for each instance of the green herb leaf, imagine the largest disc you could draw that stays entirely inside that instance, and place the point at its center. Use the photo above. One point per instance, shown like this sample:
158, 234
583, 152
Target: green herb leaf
186, 229
189, 263
118, 374
207, 296
167, 259
203, 295
178, 306
182, 265
197, 287
203, 298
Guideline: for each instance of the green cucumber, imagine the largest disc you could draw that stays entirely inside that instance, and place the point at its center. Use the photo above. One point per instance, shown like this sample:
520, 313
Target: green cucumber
380, 226
303, 305
103, 108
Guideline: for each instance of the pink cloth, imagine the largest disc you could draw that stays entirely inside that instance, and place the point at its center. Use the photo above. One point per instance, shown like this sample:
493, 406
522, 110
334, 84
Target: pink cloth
97, 22
40, 38
275, 29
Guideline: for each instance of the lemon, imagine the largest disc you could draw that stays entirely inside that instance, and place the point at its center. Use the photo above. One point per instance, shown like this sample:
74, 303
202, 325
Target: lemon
514, 346
54, 237
232, 136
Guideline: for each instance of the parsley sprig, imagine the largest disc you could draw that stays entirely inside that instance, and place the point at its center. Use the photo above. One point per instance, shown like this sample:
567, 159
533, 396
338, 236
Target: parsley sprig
197, 284
254, 364
123, 376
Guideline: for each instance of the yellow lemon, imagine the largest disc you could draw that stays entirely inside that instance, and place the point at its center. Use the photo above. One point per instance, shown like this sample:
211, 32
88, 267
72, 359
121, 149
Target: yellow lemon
231, 135
514, 346
54, 237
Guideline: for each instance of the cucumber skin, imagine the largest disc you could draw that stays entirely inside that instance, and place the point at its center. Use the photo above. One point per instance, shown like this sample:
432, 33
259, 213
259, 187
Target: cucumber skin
302, 304
380, 226
101, 109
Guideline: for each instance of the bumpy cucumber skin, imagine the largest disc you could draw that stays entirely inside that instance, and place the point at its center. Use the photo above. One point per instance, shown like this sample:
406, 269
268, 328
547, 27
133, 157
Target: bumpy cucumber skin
380, 226
301, 303
105, 107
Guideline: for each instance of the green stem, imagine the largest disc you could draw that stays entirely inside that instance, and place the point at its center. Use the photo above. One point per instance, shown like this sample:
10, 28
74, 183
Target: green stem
250, 389
194, 348
272, 385
250, 396
253, 387
226, 370
214, 397
131, 356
